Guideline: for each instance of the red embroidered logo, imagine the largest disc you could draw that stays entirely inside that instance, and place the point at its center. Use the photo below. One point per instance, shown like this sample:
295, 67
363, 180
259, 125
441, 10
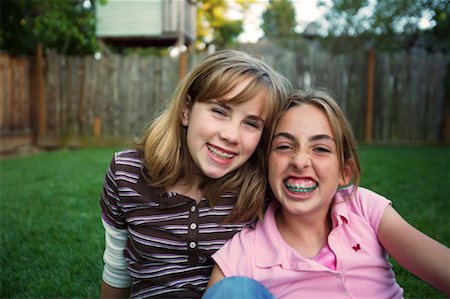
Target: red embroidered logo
356, 247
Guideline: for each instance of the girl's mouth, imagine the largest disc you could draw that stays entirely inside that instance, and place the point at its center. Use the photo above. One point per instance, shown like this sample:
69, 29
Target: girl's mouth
220, 153
300, 185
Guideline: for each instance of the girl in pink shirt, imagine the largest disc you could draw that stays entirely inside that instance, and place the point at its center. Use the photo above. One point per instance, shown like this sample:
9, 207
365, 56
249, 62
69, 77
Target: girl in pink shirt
322, 236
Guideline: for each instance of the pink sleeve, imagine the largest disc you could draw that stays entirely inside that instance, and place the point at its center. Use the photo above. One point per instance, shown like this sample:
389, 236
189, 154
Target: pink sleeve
372, 206
237, 255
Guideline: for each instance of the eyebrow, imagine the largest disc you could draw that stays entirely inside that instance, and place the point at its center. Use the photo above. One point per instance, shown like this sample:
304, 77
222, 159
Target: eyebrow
321, 137
221, 102
285, 135
312, 138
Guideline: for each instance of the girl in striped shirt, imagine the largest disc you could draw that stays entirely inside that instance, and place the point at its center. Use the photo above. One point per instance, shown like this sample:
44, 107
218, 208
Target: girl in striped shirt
171, 202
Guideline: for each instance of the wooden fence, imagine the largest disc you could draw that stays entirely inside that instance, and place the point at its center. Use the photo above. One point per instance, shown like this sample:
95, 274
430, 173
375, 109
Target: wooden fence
113, 97
407, 89
88, 101
16, 117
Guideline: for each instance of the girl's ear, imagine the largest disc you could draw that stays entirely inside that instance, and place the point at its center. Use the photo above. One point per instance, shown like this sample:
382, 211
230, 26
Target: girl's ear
347, 173
186, 112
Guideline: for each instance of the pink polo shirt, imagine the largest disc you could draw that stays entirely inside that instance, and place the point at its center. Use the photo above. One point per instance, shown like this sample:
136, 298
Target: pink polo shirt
362, 267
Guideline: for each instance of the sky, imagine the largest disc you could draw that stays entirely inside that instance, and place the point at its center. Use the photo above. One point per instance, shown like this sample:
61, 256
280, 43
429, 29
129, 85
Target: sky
306, 12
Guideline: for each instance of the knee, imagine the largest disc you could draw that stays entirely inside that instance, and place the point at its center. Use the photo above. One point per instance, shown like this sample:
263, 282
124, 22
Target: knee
238, 287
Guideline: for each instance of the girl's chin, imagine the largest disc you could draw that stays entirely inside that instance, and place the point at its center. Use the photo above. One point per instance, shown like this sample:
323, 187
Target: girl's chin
215, 175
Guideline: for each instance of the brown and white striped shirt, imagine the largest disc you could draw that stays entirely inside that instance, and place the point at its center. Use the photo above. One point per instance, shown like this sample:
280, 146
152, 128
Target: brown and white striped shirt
171, 237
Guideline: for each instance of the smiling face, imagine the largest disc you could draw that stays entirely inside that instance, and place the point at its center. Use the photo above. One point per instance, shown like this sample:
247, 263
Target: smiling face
221, 135
304, 171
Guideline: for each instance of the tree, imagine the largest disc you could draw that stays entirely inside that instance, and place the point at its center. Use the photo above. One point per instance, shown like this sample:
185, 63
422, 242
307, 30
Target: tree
385, 22
441, 19
67, 26
279, 20
213, 25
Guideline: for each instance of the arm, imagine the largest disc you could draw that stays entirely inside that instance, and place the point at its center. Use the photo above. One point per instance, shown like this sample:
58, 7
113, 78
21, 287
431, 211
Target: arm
116, 280
415, 251
216, 275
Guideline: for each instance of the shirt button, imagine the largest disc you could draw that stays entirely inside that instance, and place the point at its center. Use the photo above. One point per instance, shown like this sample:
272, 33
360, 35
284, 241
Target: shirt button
193, 208
192, 245
193, 226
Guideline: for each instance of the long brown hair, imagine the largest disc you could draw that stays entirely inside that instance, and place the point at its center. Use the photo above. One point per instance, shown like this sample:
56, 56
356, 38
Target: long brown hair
166, 156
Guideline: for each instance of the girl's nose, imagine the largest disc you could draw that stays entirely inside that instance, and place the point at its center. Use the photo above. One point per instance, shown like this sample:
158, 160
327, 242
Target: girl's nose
230, 132
300, 160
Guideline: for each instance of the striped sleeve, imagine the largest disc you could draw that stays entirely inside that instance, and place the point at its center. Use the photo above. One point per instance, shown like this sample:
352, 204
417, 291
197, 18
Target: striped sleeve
115, 269
110, 202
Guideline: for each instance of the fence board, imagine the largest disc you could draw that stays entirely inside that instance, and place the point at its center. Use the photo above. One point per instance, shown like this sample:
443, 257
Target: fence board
15, 114
5, 81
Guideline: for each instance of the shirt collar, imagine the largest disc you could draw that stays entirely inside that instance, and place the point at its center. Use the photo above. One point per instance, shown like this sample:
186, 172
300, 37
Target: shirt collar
158, 194
339, 209
268, 237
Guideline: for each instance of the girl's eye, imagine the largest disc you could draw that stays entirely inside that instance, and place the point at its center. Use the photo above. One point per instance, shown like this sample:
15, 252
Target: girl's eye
321, 149
282, 147
219, 111
252, 123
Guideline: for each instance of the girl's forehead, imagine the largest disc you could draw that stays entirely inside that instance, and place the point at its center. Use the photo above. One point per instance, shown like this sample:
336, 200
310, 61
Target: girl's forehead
243, 91
302, 111
304, 117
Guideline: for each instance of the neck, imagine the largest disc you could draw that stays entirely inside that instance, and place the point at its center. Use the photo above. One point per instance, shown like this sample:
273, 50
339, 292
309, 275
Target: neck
191, 190
305, 235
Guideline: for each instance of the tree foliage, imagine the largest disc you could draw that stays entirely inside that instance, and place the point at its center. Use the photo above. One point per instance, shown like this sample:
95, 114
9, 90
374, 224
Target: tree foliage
441, 17
65, 25
213, 24
387, 23
279, 20
68, 27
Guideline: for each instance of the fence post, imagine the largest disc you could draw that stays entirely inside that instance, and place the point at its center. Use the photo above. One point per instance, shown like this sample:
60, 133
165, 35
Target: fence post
40, 96
182, 64
97, 126
370, 94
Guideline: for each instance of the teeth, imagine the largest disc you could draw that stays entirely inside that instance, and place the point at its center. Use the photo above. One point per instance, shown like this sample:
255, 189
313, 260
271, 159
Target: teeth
219, 153
300, 188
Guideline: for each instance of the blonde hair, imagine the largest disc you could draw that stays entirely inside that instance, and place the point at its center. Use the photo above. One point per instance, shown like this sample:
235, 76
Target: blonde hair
340, 127
166, 156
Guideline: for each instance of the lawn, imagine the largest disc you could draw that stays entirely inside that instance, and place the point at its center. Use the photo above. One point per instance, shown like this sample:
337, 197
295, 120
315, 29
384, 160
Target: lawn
52, 239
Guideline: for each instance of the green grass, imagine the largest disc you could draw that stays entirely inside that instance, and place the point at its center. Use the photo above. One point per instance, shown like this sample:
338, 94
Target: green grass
51, 234
52, 239
416, 179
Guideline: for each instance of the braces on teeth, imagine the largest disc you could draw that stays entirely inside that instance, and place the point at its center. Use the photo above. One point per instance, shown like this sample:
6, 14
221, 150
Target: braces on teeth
219, 154
300, 189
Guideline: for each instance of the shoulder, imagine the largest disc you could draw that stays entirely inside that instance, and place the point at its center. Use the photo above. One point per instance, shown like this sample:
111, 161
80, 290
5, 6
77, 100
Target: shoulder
236, 256
242, 243
243, 240
362, 203
361, 198
369, 199
127, 160
129, 155
125, 165
262, 234
253, 248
